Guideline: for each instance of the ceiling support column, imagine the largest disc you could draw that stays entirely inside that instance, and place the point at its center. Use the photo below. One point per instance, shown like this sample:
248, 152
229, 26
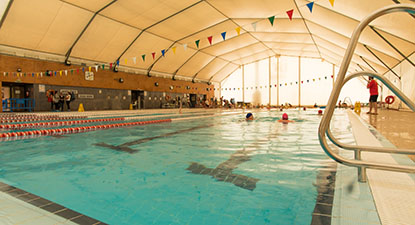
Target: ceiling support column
269, 81
243, 83
299, 81
278, 80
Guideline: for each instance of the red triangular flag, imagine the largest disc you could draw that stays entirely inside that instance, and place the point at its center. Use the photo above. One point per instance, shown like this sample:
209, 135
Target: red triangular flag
210, 40
154, 55
290, 14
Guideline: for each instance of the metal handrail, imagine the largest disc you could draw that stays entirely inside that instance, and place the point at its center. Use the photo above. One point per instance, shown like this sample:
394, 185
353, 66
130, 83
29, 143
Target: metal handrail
340, 81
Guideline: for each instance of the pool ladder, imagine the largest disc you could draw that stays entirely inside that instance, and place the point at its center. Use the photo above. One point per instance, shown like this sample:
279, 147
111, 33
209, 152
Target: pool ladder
324, 128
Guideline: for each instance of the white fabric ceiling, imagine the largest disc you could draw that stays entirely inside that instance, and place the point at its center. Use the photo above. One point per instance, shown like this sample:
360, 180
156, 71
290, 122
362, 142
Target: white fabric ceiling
125, 30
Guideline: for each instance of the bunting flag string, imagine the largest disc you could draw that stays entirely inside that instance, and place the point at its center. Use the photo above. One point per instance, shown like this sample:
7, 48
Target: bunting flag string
271, 20
290, 14
238, 30
209, 39
310, 6
134, 60
185, 47
223, 34
254, 25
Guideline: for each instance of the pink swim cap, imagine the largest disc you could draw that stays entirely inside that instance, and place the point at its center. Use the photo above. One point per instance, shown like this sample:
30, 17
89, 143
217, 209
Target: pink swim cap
285, 116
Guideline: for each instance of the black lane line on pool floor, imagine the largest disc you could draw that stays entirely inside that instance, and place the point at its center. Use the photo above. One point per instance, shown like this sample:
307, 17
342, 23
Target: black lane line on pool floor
326, 180
223, 172
125, 147
49, 206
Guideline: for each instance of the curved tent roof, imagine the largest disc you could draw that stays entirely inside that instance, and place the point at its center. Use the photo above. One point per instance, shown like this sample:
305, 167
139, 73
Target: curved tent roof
135, 31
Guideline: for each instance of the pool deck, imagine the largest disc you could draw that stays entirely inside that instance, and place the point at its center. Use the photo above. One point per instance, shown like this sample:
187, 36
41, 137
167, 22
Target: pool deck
396, 126
393, 192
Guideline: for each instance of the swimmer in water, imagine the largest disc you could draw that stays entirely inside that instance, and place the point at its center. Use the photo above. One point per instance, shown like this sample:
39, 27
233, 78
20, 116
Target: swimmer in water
285, 119
249, 116
320, 112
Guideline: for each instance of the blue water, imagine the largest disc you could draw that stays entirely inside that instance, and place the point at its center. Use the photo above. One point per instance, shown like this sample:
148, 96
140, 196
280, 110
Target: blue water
152, 186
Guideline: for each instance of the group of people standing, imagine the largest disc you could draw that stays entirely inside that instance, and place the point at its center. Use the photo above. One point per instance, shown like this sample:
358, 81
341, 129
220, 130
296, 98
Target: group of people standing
57, 100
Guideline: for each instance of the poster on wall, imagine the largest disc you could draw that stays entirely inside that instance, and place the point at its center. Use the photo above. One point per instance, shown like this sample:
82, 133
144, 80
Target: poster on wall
41, 88
89, 75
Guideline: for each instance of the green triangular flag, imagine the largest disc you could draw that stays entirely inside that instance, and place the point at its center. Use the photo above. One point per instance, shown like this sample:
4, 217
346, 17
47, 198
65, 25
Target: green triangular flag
271, 20
144, 57
197, 43
103, 66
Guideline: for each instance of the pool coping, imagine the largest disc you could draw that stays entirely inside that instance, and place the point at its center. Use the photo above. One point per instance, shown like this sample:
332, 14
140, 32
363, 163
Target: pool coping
393, 192
49, 206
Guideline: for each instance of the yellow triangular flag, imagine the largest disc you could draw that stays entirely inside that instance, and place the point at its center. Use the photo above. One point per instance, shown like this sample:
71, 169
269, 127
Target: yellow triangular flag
174, 49
238, 30
331, 2
125, 61
89, 69
37, 74
60, 72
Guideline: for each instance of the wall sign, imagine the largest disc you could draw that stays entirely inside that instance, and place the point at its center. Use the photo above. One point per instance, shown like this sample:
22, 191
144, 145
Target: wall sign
90, 96
89, 75
42, 88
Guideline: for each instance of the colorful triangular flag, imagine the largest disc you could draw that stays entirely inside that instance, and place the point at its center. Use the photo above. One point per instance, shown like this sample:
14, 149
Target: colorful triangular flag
290, 14
89, 69
185, 47
310, 6
223, 35
331, 2
96, 68
66, 73
210, 40
125, 60
254, 25
174, 49
110, 66
154, 55
118, 62
103, 66
143, 57
238, 30
197, 43
134, 60
271, 20
163, 52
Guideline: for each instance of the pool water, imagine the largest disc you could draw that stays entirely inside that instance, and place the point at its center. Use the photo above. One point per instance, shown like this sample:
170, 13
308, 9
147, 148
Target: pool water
220, 170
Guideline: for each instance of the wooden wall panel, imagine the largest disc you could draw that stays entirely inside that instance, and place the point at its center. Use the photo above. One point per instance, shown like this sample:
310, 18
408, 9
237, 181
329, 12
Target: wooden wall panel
102, 79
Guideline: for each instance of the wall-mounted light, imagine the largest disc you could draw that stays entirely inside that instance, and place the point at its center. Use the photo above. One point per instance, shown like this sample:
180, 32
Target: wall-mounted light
19, 70
67, 62
121, 80
156, 84
171, 87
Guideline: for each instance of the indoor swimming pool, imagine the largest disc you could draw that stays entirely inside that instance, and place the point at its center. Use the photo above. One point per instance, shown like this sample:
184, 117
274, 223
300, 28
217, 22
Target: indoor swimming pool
214, 170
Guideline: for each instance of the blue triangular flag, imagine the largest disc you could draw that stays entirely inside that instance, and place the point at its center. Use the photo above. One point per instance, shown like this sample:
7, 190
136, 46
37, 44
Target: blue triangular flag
310, 6
163, 51
223, 35
118, 62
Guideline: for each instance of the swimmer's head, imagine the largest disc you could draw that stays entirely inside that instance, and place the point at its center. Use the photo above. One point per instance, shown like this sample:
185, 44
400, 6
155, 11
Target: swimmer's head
320, 112
304, 108
249, 116
285, 116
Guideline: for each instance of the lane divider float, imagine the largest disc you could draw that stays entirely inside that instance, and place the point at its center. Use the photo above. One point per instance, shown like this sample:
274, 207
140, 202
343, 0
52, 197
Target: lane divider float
60, 131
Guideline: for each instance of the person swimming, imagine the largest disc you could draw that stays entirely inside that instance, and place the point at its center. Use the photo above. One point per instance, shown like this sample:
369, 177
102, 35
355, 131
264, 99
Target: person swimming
285, 119
249, 116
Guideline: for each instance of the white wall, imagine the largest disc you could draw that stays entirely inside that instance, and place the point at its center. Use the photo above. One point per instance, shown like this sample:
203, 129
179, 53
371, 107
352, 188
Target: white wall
406, 84
316, 90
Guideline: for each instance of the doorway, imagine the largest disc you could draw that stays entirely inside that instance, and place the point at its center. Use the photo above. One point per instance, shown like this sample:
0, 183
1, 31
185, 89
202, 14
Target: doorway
193, 99
137, 99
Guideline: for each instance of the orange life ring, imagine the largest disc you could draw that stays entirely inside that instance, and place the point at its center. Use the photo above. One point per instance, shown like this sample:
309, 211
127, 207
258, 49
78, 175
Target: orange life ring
390, 99
167, 97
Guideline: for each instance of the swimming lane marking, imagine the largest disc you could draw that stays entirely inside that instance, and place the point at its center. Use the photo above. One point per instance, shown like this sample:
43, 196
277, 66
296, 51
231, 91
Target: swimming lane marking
125, 147
223, 172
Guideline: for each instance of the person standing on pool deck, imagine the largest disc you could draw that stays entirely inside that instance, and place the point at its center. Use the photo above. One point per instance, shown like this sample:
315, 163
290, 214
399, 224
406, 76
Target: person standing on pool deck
372, 85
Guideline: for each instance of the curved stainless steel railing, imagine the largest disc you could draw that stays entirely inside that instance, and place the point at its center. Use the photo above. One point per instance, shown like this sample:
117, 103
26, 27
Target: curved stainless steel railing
324, 127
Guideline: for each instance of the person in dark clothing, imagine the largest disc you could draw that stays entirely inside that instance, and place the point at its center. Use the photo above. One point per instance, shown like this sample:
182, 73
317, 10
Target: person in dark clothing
61, 101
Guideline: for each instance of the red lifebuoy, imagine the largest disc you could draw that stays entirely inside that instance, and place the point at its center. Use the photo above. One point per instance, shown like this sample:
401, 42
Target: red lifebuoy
390, 99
